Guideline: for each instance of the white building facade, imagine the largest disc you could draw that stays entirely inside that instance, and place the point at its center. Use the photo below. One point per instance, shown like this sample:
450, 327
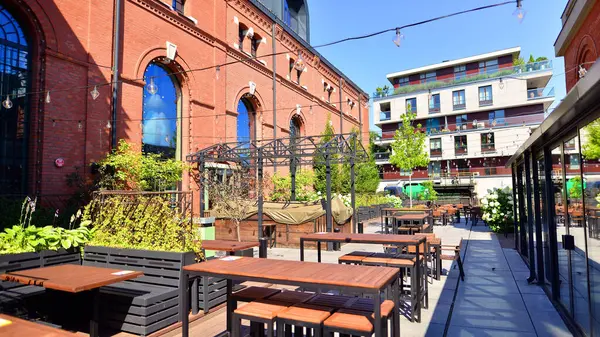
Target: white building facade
476, 111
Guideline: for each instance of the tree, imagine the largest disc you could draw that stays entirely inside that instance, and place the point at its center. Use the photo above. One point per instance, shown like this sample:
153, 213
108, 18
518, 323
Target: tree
366, 174
319, 164
591, 146
232, 195
408, 148
382, 91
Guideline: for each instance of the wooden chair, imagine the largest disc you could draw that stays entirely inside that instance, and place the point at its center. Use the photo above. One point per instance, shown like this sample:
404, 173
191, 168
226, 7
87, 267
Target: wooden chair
259, 313
302, 316
357, 322
454, 257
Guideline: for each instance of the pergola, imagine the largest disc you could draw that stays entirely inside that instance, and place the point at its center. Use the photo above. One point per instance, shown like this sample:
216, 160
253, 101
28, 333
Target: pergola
291, 151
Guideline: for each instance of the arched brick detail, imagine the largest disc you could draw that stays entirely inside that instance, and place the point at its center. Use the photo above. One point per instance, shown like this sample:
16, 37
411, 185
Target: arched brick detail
586, 52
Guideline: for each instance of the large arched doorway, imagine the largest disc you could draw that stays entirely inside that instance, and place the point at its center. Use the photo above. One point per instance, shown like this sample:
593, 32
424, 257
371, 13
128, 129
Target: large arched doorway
161, 125
15, 80
246, 120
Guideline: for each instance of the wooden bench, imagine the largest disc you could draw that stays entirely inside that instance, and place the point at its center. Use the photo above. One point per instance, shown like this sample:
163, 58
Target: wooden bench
302, 316
145, 304
12, 293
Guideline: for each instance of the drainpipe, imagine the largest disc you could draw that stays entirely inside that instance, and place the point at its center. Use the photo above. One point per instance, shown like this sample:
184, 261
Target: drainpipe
360, 117
115, 72
341, 112
273, 42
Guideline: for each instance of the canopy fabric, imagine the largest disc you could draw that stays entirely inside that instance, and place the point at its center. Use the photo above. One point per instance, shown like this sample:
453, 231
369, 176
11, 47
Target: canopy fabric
289, 213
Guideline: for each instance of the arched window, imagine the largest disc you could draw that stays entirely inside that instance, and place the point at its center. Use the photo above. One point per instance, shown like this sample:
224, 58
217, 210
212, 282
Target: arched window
295, 128
160, 113
14, 111
246, 126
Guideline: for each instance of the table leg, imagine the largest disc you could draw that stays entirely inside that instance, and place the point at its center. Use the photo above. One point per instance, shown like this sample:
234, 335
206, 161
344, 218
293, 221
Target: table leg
195, 295
95, 313
377, 311
396, 312
301, 249
418, 283
230, 304
183, 303
319, 251
438, 269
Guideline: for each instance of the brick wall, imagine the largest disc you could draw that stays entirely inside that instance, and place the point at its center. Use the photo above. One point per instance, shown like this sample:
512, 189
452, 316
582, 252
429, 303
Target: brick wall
74, 49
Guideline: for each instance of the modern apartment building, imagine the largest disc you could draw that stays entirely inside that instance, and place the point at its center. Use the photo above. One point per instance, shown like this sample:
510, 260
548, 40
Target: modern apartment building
476, 112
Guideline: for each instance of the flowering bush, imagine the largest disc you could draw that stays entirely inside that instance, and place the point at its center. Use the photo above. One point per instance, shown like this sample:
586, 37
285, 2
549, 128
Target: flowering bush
497, 208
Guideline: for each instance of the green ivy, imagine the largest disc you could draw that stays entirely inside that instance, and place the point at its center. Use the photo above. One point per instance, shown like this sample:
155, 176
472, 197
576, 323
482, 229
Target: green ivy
141, 222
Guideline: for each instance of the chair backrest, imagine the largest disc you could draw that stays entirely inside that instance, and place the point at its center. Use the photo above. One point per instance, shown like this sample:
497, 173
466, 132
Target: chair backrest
159, 268
46, 258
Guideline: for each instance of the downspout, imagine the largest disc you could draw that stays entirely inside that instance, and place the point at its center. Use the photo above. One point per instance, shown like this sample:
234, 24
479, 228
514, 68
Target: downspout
273, 42
341, 112
360, 132
115, 73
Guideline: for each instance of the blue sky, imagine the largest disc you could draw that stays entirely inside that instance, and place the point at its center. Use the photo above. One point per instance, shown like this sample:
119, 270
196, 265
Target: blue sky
367, 61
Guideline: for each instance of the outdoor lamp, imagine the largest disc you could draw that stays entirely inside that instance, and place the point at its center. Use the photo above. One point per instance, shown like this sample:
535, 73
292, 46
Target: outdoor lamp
520, 12
151, 87
398, 38
7, 103
299, 65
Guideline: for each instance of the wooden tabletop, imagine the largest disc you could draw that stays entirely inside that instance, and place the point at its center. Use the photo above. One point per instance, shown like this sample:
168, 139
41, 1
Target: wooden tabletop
364, 238
422, 216
16, 327
227, 246
297, 272
70, 277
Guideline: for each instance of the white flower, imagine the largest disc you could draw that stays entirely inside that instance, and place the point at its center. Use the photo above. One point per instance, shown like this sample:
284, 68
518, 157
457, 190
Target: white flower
484, 201
494, 211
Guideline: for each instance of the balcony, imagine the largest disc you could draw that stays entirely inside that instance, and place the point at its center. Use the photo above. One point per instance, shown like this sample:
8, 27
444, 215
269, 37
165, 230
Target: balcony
460, 150
486, 148
460, 106
484, 124
434, 108
486, 102
435, 152
385, 116
382, 156
537, 93
501, 72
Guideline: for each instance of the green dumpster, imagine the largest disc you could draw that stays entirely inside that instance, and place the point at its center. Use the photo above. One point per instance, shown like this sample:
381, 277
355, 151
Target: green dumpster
207, 232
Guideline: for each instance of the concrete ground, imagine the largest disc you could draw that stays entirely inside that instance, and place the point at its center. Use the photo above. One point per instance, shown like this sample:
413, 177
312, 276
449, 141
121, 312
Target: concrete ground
494, 300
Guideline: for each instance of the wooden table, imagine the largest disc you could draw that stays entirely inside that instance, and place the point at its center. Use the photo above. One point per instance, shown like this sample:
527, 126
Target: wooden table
364, 279
227, 246
73, 279
436, 244
16, 327
383, 215
408, 220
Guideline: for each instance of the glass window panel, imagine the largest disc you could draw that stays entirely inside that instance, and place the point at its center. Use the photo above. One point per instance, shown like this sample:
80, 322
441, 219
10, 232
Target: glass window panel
541, 166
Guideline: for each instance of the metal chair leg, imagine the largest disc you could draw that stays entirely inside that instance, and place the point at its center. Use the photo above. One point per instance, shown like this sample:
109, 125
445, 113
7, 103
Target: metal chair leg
236, 326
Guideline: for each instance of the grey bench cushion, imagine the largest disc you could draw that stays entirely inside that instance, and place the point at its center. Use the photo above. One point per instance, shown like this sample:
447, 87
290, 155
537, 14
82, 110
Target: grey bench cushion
140, 294
18, 293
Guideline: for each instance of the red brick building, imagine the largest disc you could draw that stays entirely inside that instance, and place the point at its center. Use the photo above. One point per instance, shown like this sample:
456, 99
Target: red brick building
579, 39
54, 53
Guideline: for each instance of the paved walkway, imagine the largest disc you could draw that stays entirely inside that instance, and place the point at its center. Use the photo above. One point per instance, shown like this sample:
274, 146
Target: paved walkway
495, 299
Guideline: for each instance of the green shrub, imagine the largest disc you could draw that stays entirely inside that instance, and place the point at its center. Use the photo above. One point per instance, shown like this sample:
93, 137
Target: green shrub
497, 209
282, 186
141, 222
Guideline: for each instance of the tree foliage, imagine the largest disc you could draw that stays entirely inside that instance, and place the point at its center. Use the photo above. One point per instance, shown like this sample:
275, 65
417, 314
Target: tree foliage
282, 186
408, 147
127, 169
319, 166
591, 147
366, 174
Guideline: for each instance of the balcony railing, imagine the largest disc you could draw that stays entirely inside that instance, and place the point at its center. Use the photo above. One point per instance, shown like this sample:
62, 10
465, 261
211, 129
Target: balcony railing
460, 106
435, 152
434, 108
385, 115
490, 147
460, 149
506, 71
382, 155
538, 93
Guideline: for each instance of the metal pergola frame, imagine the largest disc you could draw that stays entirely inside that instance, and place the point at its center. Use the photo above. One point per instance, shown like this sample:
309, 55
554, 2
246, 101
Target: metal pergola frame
292, 151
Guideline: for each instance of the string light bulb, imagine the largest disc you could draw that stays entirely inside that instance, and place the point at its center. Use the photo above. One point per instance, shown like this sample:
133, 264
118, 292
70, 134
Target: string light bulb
398, 38
79, 125
48, 97
501, 84
151, 87
108, 126
7, 103
582, 71
520, 13
95, 93
53, 123
218, 71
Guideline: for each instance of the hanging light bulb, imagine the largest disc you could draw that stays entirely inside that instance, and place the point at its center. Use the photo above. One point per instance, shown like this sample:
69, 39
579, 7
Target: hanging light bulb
520, 13
151, 87
7, 103
79, 126
108, 126
53, 123
95, 93
582, 71
300, 65
218, 71
48, 97
501, 84
398, 38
